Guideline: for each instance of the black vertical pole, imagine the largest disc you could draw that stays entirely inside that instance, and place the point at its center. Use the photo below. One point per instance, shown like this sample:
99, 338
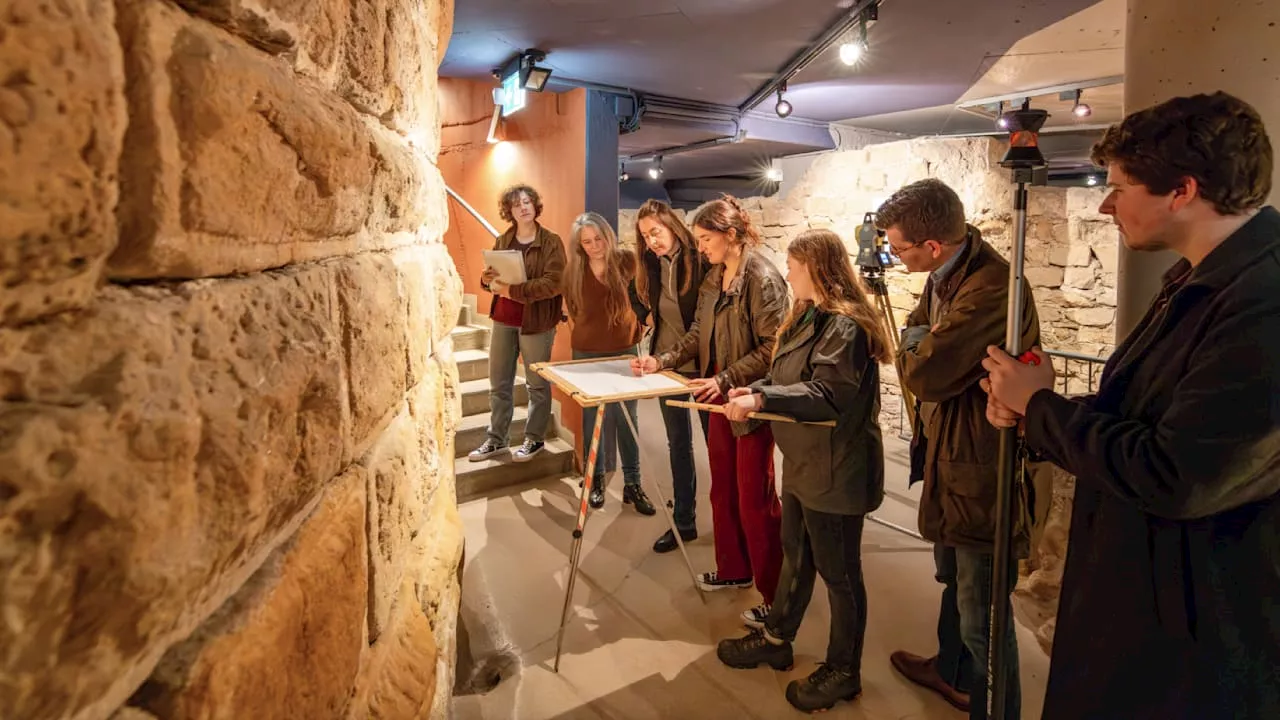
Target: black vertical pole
997, 689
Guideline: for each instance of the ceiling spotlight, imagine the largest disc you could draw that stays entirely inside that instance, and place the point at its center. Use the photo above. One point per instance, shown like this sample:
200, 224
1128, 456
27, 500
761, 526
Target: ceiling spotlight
532, 77
655, 170
773, 174
1078, 109
1002, 121
1091, 180
783, 108
851, 52
623, 175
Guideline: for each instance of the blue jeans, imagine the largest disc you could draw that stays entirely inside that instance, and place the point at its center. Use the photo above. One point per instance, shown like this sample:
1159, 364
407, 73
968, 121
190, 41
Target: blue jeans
973, 600
505, 344
615, 437
955, 664
684, 477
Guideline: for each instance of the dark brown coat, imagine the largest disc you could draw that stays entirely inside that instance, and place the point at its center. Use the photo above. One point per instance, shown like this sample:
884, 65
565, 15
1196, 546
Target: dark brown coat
744, 322
959, 448
544, 262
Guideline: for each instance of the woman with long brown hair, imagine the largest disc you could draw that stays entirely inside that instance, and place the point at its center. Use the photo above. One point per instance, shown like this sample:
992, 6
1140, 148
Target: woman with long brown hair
740, 306
603, 324
666, 288
825, 367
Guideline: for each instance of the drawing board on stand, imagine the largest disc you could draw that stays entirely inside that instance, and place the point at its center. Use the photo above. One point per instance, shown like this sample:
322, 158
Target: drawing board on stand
605, 380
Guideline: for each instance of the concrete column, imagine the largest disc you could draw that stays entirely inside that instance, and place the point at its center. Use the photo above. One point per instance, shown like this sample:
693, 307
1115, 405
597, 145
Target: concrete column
1182, 47
602, 157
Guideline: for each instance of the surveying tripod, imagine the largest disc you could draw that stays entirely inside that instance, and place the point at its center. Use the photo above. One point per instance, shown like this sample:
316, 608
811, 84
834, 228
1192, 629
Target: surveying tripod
873, 258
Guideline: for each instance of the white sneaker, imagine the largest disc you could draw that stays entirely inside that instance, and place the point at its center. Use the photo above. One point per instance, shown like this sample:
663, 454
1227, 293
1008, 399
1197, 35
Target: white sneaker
755, 617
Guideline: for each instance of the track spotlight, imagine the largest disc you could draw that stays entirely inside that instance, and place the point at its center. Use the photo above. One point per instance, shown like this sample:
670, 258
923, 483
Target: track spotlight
773, 174
851, 52
1002, 122
1081, 109
623, 175
655, 170
783, 108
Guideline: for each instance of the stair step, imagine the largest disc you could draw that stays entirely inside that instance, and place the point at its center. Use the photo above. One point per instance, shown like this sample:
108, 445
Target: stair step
470, 337
475, 428
478, 478
475, 395
472, 364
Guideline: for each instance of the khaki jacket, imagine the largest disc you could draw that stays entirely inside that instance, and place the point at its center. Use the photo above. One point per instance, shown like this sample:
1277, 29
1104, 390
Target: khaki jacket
942, 365
824, 371
544, 268
743, 322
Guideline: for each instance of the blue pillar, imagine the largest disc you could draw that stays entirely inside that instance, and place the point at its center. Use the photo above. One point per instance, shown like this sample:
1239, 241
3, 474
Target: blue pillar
602, 156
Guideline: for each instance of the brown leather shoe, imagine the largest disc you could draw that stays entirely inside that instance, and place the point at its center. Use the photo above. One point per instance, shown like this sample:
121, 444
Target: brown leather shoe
924, 672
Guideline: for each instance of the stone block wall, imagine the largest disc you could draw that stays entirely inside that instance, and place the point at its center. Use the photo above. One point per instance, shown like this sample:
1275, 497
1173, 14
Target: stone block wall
1071, 249
227, 394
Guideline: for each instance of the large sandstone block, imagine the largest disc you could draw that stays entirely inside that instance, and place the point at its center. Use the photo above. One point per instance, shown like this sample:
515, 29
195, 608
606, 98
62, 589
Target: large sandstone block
375, 343
433, 291
233, 165
61, 123
157, 447
288, 644
398, 672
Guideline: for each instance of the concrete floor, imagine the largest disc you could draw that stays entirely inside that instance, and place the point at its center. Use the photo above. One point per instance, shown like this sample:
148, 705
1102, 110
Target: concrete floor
640, 644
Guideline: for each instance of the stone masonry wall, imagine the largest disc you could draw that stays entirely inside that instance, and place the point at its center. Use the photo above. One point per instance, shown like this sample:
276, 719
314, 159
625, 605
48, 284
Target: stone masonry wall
227, 395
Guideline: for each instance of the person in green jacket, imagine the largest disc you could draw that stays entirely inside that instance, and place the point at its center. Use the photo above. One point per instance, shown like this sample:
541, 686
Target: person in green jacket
825, 367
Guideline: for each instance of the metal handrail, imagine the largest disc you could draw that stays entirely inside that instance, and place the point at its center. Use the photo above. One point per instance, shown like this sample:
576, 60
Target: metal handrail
1076, 356
466, 206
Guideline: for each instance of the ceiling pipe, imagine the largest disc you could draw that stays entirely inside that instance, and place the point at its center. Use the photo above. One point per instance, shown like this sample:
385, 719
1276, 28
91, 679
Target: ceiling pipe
701, 145
847, 22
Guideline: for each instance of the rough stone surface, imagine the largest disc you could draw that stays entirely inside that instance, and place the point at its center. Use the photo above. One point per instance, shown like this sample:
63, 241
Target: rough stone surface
375, 343
302, 612
232, 164
433, 290
61, 123
398, 673
1035, 598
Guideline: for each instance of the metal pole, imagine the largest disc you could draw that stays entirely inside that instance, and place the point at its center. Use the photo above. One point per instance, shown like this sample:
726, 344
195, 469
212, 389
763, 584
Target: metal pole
575, 547
997, 689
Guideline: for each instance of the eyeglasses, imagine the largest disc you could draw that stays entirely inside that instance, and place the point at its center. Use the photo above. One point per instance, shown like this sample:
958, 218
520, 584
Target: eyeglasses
900, 250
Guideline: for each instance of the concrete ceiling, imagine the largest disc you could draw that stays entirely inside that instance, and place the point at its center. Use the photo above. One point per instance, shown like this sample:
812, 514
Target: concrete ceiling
924, 57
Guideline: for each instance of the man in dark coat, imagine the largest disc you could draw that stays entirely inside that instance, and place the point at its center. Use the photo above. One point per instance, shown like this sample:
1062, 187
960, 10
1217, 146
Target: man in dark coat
1170, 604
954, 449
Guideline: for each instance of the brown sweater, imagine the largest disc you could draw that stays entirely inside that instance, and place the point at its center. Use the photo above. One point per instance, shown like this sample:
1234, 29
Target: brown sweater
592, 330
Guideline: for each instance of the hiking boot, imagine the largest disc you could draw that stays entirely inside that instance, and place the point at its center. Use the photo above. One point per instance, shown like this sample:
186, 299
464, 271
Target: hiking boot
755, 617
712, 581
667, 542
924, 672
634, 495
525, 452
487, 449
748, 652
824, 687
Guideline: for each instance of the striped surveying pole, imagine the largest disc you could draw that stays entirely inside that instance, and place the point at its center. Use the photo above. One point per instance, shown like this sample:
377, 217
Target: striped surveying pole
575, 549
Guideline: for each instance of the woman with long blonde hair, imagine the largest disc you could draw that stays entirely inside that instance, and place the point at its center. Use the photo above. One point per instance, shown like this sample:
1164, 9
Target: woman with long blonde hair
825, 366
604, 324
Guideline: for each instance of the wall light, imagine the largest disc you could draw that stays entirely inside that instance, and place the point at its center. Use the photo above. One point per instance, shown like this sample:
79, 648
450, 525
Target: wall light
532, 77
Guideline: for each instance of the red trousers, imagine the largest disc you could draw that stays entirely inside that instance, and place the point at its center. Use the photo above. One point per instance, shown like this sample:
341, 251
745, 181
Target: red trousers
745, 510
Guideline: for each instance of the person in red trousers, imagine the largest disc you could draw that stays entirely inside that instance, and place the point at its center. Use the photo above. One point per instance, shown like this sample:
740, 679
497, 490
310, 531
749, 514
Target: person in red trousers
742, 302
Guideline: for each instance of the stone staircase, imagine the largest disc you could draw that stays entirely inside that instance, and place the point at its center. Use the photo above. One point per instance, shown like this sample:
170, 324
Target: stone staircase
471, 352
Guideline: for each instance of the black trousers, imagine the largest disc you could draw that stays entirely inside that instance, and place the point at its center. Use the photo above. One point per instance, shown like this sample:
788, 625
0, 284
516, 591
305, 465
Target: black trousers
818, 543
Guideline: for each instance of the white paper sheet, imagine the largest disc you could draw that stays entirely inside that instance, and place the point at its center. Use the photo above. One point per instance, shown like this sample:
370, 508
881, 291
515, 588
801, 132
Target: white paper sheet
508, 263
612, 377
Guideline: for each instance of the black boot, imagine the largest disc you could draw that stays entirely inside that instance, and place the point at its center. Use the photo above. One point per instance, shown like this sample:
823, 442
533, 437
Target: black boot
747, 652
597, 495
634, 495
824, 687
667, 542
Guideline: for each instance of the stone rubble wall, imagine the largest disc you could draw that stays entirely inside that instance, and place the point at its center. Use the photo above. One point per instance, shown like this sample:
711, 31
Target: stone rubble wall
1071, 256
227, 392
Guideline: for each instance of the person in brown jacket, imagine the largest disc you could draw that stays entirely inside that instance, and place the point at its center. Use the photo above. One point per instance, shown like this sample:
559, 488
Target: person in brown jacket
740, 306
603, 324
961, 311
524, 324
826, 366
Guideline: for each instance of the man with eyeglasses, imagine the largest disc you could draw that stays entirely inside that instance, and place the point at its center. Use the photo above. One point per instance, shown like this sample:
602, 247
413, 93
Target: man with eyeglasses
954, 450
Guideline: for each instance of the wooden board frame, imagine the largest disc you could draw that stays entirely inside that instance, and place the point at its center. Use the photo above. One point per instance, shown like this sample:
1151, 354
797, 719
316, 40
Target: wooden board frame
585, 400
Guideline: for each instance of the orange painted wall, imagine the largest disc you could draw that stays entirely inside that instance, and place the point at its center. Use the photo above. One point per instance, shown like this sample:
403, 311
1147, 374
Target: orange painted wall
545, 147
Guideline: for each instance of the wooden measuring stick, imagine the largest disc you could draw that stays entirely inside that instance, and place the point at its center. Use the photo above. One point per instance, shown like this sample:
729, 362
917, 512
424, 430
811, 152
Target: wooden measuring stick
753, 415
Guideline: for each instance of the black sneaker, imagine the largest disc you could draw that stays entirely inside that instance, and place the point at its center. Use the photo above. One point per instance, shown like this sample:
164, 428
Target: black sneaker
487, 449
824, 687
525, 452
634, 495
597, 496
712, 581
667, 542
748, 652
755, 617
